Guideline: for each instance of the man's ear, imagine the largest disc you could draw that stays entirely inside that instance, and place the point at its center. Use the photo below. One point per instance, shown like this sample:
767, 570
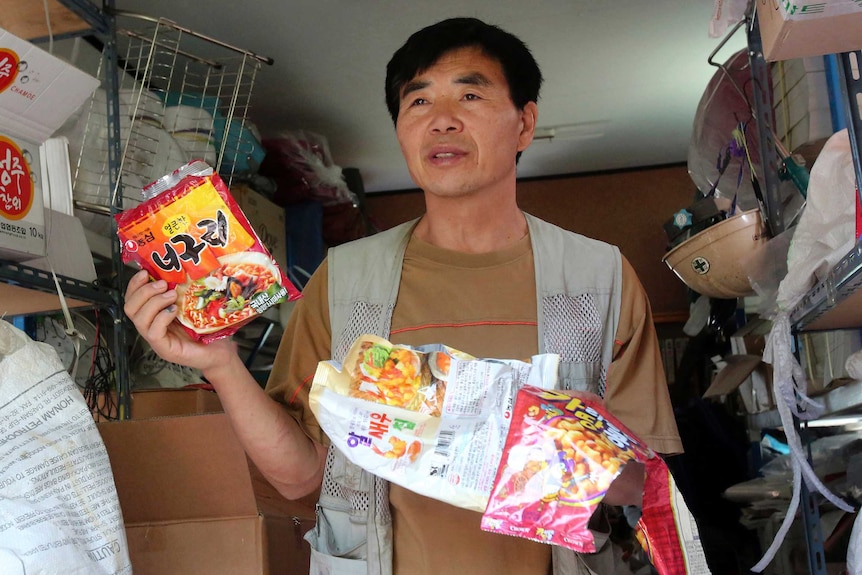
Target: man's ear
529, 116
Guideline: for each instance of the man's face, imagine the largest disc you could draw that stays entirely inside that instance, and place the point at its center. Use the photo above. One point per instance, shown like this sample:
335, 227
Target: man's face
458, 127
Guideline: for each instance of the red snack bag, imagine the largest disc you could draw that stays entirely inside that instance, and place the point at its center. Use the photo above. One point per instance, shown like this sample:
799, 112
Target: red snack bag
190, 232
666, 529
562, 452
560, 457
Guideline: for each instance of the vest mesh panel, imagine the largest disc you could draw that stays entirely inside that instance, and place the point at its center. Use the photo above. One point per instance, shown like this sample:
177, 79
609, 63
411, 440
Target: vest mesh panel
579, 341
358, 499
364, 318
381, 495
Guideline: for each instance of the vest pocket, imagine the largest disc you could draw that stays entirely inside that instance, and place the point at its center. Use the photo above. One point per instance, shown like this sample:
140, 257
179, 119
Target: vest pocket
322, 564
582, 376
338, 533
338, 543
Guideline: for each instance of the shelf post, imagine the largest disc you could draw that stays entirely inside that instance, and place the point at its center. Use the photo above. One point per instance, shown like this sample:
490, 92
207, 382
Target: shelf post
112, 88
808, 504
765, 119
104, 24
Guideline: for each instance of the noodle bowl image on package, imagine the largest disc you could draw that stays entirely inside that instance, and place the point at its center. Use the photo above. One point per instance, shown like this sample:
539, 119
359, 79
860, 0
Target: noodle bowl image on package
190, 232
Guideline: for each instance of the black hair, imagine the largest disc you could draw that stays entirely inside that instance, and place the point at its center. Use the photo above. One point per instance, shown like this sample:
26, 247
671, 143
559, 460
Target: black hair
425, 47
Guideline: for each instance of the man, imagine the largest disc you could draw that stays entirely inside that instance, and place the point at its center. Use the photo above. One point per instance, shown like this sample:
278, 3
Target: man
474, 273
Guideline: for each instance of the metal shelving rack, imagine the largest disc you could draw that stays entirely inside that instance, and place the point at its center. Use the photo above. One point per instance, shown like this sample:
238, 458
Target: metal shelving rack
836, 301
19, 274
103, 296
148, 65
102, 24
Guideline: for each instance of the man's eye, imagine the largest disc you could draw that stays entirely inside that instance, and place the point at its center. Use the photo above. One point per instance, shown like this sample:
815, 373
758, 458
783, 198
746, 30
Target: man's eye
418, 102
471, 97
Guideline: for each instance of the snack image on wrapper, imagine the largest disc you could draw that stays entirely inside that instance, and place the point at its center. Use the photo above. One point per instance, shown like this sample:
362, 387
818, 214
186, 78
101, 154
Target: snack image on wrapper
190, 232
400, 376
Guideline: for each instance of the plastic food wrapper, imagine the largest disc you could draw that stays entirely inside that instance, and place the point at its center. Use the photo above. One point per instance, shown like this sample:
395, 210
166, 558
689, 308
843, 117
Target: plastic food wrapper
190, 232
563, 451
431, 419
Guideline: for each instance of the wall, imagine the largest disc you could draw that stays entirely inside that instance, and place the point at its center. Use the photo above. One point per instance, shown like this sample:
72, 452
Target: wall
626, 208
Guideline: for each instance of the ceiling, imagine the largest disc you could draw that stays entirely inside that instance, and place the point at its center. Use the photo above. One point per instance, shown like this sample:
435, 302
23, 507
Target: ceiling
622, 78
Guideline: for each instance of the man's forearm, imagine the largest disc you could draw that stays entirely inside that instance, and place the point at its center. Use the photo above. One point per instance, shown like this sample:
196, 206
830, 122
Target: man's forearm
273, 439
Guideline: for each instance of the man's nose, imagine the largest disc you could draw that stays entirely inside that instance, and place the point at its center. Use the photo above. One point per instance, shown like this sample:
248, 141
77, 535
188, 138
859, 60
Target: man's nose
445, 117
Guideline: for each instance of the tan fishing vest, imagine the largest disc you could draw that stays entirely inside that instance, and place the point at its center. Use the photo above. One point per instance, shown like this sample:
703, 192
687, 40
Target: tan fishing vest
578, 284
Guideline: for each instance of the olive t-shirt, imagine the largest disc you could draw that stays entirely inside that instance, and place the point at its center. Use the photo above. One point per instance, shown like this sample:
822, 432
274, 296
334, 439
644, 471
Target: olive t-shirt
484, 305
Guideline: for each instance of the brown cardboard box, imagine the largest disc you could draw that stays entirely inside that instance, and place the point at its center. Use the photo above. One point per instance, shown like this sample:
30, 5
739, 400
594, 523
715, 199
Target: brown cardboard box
748, 375
149, 403
267, 219
800, 28
194, 504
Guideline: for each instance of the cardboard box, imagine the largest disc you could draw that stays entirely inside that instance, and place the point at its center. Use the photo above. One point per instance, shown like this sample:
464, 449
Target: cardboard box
22, 218
823, 355
801, 101
267, 219
28, 19
795, 29
744, 371
150, 403
194, 504
68, 251
38, 91
748, 375
161, 402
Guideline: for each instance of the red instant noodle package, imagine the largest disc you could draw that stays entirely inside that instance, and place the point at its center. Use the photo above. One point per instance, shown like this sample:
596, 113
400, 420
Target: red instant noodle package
190, 232
562, 453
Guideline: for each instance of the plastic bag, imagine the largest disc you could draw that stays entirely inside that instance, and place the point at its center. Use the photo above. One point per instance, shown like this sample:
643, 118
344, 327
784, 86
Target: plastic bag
560, 458
829, 456
59, 511
303, 169
191, 233
431, 419
726, 13
826, 229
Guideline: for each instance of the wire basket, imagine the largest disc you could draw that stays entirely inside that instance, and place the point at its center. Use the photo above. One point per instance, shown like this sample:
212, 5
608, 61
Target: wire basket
182, 96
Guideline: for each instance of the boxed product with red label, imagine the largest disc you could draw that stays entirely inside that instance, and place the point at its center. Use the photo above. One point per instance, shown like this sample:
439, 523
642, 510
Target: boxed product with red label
22, 218
38, 92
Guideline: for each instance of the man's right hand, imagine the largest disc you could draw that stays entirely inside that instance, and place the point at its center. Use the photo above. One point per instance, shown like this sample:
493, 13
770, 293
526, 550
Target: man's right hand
152, 308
